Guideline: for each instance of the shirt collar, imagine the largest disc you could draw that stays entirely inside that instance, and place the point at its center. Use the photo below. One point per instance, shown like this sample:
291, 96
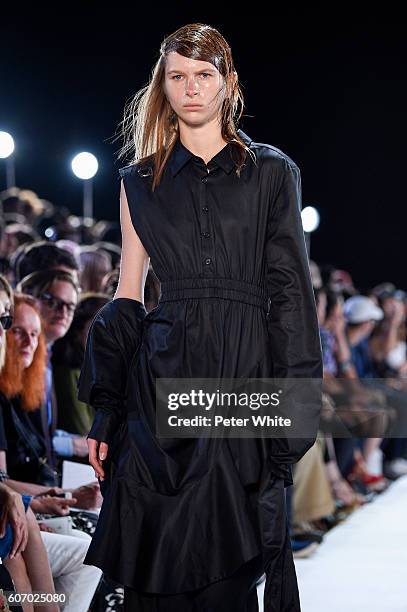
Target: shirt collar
180, 155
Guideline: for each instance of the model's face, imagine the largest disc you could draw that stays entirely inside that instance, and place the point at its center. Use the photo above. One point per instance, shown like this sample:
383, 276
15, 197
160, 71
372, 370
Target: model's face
57, 309
26, 329
189, 81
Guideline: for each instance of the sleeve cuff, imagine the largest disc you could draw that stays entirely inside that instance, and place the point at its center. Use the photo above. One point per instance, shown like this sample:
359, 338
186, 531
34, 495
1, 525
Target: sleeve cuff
104, 426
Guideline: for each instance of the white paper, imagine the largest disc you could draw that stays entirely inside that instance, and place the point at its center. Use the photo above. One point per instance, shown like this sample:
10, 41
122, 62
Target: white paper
76, 474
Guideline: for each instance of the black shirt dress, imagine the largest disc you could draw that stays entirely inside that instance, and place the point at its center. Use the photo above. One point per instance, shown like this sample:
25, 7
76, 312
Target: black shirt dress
236, 301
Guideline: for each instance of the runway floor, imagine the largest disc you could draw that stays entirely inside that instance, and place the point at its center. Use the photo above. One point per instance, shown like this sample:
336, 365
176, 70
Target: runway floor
361, 565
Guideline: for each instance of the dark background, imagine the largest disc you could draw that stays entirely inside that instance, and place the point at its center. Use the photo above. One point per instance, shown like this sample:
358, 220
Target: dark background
326, 85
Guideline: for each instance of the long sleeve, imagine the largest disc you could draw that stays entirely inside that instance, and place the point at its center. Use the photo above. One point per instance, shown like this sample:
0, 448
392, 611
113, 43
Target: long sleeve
113, 339
292, 324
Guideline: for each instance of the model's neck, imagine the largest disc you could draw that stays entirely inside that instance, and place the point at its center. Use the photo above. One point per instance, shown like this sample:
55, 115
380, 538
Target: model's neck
204, 141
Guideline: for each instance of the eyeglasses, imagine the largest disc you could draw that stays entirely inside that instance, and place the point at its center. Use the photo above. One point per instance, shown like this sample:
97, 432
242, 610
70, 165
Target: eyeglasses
55, 303
6, 321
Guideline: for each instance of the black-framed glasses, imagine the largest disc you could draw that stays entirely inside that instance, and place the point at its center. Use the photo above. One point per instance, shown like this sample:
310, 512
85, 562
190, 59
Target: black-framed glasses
6, 321
55, 303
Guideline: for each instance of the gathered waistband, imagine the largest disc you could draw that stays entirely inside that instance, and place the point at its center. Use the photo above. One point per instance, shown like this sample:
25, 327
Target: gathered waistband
224, 288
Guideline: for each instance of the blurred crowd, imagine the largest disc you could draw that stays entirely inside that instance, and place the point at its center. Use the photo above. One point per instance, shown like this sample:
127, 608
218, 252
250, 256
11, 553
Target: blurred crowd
56, 271
362, 443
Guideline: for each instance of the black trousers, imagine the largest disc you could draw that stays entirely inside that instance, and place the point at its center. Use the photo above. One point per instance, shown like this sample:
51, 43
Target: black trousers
237, 593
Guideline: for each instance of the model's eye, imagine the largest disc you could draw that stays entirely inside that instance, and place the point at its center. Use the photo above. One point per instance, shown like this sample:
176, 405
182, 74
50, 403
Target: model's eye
206, 73
176, 76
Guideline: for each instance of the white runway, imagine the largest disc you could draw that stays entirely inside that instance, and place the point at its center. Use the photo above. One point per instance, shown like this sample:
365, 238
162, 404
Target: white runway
361, 566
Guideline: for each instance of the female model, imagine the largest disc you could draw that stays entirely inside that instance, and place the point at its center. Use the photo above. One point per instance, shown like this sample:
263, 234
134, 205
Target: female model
191, 524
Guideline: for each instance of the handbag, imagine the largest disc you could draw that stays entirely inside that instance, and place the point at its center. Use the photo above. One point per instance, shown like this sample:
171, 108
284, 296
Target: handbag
28, 455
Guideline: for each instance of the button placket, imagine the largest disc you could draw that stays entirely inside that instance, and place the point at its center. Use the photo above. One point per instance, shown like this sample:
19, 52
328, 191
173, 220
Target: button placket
207, 258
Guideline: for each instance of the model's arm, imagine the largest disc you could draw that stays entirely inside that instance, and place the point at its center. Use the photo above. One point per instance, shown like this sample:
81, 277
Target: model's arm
113, 338
134, 259
293, 325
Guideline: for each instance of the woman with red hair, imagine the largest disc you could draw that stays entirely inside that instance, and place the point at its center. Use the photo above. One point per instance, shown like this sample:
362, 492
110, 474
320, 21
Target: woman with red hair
22, 390
21, 547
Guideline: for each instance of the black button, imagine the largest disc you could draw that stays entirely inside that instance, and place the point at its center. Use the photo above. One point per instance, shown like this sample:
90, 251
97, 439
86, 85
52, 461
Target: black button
208, 261
205, 234
205, 178
205, 208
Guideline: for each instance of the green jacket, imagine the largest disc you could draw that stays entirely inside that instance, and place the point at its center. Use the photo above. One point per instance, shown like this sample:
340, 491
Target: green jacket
74, 416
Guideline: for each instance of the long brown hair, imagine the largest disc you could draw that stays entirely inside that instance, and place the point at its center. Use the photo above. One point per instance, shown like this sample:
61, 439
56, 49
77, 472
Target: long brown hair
29, 382
150, 126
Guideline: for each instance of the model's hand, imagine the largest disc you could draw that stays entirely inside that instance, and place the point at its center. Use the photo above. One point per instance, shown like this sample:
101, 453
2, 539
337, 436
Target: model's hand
97, 454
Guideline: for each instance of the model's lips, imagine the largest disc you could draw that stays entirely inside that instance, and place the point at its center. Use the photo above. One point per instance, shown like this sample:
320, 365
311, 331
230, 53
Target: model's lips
192, 105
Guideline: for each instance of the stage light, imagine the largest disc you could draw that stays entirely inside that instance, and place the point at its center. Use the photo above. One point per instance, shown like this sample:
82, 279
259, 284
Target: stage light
6, 145
84, 165
310, 219
6, 153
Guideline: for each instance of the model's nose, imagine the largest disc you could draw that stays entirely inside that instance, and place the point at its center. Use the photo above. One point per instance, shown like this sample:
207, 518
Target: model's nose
191, 87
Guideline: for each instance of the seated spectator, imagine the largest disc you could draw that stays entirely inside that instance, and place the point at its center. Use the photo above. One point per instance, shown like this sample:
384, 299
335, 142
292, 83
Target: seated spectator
17, 234
22, 390
362, 314
22, 550
67, 357
335, 352
95, 264
31, 570
57, 294
42, 256
24, 202
22, 387
388, 340
110, 283
113, 250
